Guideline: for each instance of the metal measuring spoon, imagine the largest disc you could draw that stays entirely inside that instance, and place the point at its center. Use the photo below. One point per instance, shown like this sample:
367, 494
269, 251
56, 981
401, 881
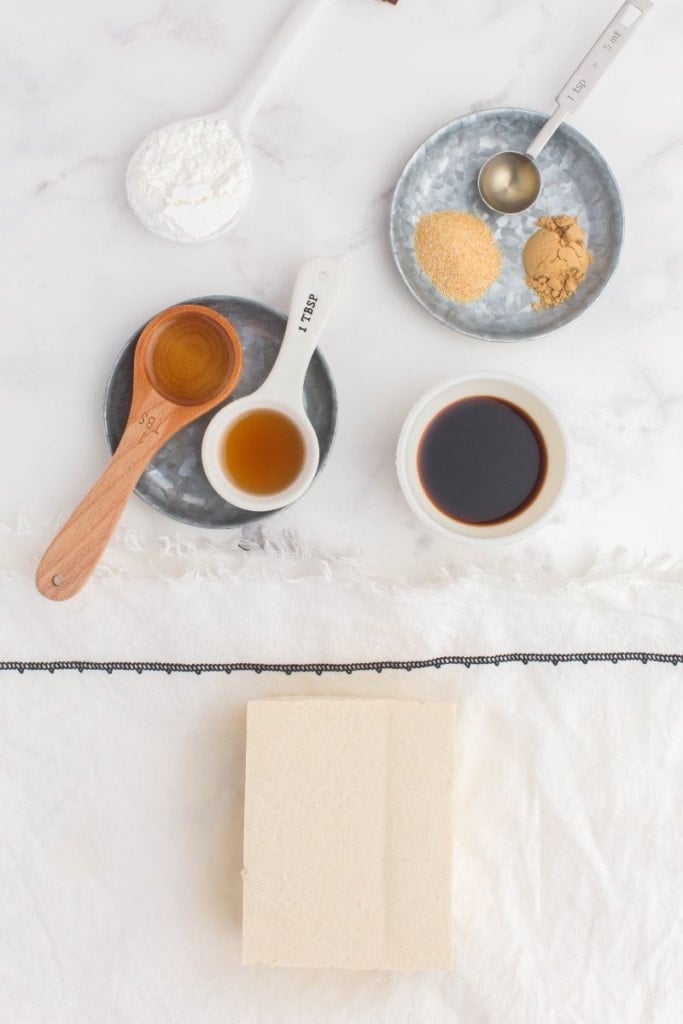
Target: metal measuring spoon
163, 403
511, 182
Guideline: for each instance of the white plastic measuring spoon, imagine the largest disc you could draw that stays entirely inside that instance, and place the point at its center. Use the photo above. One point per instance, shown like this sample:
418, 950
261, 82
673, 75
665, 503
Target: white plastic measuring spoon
317, 287
511, 182
190, 180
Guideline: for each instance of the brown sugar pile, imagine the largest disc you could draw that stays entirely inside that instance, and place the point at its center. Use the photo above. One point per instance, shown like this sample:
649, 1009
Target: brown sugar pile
458, 254
556, 260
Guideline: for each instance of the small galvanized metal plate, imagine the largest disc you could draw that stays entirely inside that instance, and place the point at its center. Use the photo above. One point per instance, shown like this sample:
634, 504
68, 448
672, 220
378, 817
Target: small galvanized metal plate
442, 175
174, 482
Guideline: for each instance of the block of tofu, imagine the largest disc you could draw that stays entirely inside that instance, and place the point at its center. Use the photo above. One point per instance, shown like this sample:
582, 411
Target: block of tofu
348, 831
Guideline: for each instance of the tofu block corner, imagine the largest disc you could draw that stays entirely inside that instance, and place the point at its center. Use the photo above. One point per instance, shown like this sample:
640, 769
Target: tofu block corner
348, 834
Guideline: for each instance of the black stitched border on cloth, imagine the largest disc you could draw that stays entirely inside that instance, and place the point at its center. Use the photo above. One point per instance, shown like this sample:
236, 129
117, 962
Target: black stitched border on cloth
318, 668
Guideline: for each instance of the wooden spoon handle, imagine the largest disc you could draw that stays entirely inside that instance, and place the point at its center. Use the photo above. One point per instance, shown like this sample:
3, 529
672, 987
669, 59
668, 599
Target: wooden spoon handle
71, 557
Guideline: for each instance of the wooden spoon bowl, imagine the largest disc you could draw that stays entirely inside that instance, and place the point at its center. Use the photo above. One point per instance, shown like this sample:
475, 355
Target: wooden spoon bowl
188, 360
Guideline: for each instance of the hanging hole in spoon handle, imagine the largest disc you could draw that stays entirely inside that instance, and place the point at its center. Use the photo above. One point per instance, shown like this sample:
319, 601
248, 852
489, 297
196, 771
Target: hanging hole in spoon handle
246, 102
581, 83
168, 393
72, 556
316, 290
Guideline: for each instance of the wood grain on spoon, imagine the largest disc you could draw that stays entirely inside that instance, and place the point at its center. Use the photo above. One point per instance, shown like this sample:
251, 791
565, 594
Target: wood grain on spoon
196, 356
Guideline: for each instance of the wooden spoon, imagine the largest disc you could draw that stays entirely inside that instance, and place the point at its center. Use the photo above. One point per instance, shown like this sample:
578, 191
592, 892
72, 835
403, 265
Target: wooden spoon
188, 360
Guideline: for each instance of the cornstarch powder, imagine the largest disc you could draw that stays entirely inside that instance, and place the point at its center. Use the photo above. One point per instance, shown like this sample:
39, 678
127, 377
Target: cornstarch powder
189, 180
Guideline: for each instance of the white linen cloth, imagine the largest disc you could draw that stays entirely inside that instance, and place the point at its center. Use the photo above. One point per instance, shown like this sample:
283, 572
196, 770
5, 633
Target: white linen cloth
121, 794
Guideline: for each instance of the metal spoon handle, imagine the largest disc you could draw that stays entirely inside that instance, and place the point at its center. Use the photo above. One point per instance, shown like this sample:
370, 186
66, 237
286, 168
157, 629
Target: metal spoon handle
592, 67
247, 100
316, 290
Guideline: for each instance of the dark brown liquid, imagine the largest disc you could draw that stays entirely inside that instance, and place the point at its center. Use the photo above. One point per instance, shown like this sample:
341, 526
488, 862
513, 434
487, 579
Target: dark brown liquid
190, 360
263, 452
482, 460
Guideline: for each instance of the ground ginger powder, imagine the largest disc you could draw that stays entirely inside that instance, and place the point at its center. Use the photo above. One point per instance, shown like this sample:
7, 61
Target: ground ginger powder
556, 260
458, 254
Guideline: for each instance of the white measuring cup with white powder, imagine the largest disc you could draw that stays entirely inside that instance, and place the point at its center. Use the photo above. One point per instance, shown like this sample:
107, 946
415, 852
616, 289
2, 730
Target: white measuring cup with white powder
191, 180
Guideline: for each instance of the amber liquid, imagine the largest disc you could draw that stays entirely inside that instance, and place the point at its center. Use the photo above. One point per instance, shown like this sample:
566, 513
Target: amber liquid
263, 452
190, 360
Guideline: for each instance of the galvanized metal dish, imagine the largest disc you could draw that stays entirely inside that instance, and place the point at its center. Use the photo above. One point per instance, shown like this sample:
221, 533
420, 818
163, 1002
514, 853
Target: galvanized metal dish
442, 175
174, 482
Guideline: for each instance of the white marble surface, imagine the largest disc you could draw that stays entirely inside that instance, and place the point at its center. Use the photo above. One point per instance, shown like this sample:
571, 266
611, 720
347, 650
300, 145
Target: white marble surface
121, 796
83, 83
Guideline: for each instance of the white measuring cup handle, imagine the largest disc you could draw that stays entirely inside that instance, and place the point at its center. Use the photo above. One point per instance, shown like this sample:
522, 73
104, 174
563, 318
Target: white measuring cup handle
591, 68
248, 99
316, 289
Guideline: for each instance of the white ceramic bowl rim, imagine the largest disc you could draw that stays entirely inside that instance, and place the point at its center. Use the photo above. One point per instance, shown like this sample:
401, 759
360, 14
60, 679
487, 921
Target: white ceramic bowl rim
217, 475
494, 385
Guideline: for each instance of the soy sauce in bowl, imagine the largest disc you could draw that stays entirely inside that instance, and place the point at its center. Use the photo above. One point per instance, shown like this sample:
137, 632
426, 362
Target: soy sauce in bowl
482, 460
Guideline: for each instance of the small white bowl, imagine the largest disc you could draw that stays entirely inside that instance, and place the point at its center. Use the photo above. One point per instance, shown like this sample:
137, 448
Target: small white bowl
316, 289
509, 389
213, 445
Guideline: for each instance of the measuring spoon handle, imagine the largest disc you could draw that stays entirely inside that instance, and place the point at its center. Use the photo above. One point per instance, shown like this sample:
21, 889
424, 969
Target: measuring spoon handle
70, 559
316, 289
248, 99
591, 68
